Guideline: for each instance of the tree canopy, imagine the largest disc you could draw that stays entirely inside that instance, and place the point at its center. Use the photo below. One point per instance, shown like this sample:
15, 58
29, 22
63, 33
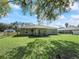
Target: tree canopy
44, 9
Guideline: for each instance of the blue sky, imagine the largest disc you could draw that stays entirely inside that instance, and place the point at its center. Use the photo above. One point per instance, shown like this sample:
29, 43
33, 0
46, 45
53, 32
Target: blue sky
72, 17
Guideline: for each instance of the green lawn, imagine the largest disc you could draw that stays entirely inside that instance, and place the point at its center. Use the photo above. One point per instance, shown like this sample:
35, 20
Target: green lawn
30, 47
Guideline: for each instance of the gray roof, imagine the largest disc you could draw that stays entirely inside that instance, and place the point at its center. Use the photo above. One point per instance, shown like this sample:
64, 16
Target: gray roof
69, 28
37, 26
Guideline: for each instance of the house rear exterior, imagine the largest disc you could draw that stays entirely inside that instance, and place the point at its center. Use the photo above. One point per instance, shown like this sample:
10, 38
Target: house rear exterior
76, 31
69, 30
37, 30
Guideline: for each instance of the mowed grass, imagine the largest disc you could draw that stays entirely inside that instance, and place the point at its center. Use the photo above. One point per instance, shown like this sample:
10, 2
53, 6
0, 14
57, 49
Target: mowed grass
7, 43
10, 42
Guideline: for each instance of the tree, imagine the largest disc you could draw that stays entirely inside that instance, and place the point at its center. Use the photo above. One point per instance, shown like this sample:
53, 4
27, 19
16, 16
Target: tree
4, 8
78, 25
3, 27
44, 9
66, 25
15, 26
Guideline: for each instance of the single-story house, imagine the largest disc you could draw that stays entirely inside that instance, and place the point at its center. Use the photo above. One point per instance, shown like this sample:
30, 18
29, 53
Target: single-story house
9, 30
69, 30
37, 30
76, 31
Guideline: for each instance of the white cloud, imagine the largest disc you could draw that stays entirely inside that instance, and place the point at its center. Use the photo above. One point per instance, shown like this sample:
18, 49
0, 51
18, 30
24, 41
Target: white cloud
61, 17
74, 20
75, 17
75, 7
14, 6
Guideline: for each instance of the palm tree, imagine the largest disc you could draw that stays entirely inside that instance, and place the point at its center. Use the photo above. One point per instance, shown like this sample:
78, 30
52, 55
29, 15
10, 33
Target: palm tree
66, 25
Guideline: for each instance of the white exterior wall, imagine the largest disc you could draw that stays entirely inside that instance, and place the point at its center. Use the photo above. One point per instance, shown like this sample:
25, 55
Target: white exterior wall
42, 32
76, 32
36, 32
52, 31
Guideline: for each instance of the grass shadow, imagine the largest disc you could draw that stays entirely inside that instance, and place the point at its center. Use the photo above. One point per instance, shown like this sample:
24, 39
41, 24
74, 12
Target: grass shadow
42, 49
1, 37
30, 36
20, 35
